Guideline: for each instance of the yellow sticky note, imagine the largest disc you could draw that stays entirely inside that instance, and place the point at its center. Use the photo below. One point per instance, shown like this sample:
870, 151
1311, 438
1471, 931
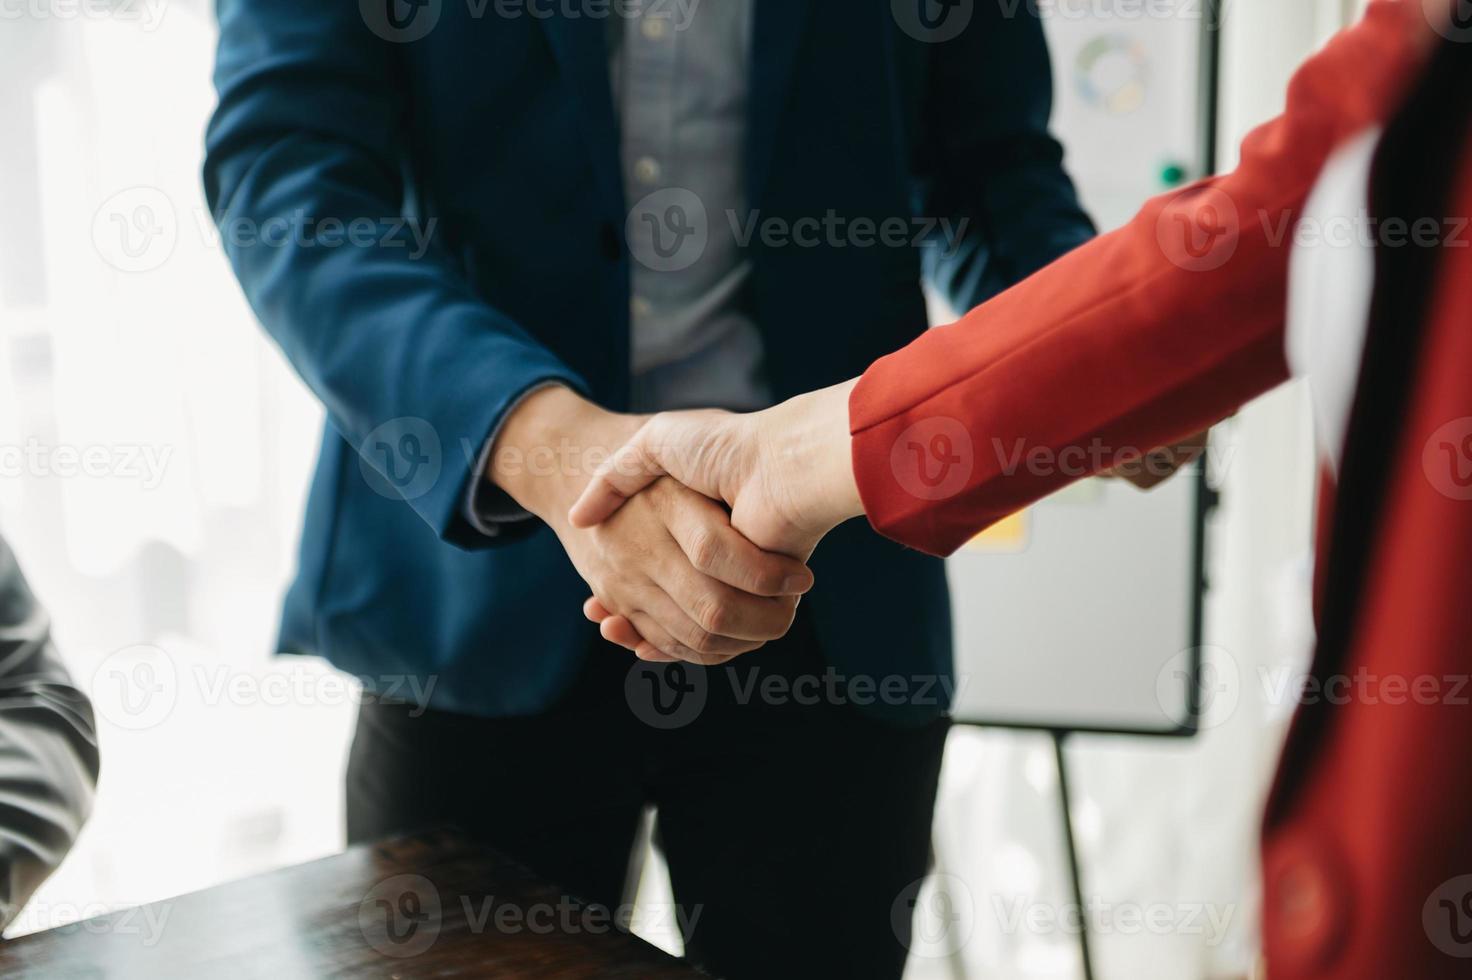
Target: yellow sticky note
1008, 535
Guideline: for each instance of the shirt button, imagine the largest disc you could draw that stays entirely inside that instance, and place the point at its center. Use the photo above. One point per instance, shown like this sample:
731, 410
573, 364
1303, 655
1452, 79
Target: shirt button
655, 28
647, 170
640, 307
1308, 905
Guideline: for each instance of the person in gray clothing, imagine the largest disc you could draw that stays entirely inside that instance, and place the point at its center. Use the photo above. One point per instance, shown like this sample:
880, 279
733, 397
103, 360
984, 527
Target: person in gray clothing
48, 746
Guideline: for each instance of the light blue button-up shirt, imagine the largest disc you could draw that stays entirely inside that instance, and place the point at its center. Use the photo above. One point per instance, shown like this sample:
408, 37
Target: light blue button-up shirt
680, 76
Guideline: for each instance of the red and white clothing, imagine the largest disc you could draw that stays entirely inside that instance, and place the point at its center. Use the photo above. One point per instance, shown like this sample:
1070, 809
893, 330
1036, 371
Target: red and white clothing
1167, 325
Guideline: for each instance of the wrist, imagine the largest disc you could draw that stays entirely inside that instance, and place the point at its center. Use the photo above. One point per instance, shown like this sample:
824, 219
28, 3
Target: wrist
549, 446
815, 452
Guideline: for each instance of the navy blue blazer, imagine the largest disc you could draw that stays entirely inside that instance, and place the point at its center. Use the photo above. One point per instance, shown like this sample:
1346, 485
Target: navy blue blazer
497, 125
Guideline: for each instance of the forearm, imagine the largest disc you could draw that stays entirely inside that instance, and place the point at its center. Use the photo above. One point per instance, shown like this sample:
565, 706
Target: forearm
812, 450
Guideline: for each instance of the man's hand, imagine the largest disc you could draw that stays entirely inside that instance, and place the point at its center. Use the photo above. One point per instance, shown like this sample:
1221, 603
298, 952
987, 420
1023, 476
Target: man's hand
670, 564
786, 474
1159, 465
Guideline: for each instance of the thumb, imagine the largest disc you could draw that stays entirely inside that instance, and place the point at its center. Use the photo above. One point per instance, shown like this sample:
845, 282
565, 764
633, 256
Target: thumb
621, 476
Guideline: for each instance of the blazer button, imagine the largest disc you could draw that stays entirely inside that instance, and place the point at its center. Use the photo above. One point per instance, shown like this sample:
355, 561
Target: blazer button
1308, 905
610, 241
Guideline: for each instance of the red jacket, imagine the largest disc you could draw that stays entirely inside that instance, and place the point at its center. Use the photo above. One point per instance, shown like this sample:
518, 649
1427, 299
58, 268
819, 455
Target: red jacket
1161, 328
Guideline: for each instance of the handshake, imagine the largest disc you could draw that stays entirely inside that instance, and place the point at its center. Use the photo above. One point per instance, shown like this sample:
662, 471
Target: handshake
694, 532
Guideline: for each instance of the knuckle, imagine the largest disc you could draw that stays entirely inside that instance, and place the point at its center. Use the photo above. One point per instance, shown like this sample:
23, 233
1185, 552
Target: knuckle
704, 642
710, 614
705, 549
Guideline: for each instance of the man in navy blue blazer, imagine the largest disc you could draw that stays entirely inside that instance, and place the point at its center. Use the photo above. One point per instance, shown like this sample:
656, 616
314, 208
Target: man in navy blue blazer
488, 234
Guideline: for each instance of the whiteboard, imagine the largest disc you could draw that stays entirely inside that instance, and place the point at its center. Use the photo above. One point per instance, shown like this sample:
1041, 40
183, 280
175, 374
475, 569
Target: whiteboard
1082, 613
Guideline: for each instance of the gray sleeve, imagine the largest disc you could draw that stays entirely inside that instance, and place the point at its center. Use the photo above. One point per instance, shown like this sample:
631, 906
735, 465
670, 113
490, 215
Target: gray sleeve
48, 746
488, 508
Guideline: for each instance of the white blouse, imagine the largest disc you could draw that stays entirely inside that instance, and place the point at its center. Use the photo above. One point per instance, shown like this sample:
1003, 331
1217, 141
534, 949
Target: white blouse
1330, 281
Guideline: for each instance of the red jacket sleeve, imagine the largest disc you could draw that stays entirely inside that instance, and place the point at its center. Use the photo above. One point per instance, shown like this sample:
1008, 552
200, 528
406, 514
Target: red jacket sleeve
1141, 337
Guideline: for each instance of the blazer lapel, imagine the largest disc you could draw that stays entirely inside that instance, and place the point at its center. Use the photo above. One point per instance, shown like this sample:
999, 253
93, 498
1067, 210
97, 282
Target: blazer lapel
580, 45
776, 36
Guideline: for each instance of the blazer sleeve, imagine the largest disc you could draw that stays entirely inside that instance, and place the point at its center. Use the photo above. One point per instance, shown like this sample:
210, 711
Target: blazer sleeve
304, 174
990, 163
48, 747
1136, 339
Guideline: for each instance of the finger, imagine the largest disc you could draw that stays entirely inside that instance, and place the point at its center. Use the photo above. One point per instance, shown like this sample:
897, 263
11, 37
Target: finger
656, 644
1162, 464
668, 650
691, 643
1155, 467
648, 654
618, 630
717, 612
1189, 453
703, 530
643, 649
621, 476
1144, 479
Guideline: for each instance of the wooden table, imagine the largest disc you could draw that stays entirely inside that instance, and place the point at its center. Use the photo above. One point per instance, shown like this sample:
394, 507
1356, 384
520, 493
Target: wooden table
432, 906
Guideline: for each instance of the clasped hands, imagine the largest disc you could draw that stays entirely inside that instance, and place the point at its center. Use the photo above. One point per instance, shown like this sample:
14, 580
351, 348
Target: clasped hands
694, 530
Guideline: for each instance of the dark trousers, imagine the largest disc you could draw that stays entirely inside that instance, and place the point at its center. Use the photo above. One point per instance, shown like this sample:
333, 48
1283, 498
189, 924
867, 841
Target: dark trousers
794, 825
